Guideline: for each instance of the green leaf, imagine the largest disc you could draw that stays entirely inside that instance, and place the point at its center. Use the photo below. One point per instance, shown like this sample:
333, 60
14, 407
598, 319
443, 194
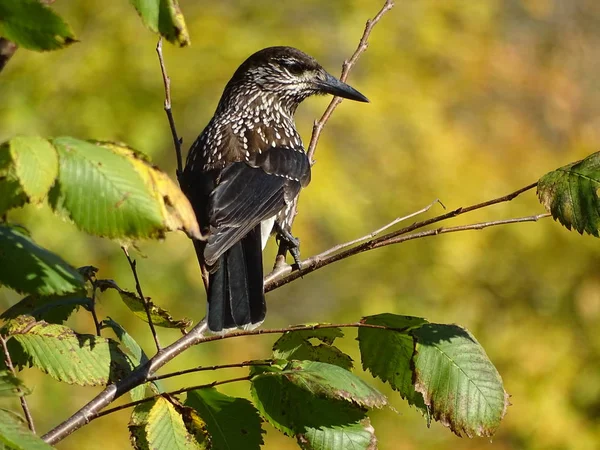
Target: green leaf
51, 308
231, 422
33, 26
28, 168
15, 435
109, 190
570, 194
166, 430
309, 395
136, 354
297, 345
459, 383
82, 359
160, 317
11, 386
137, 425
387, 354
29, 268
356, 436
164, 17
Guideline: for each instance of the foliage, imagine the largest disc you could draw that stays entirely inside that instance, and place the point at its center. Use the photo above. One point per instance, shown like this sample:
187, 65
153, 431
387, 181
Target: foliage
310, 389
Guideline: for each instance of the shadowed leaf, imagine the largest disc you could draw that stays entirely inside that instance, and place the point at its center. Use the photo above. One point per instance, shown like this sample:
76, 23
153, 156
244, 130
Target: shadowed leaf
52, 308
11, 386
33, 26
357, 436
387, 353
231, 422
29, 268
15, 435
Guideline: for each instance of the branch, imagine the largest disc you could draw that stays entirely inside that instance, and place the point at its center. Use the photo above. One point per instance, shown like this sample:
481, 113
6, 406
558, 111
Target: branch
166, 394
363, 44
265, 362
9, 364
177, 141
133, 264
319, 124
284, 274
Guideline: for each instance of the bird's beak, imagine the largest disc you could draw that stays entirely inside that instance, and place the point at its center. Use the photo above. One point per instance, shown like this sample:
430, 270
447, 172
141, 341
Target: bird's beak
331, 85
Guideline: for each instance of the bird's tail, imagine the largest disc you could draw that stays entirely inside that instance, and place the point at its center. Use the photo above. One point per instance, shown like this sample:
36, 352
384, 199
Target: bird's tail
235, 292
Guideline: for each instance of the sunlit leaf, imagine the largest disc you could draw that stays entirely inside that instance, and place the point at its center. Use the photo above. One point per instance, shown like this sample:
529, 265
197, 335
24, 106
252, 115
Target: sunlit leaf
166, 430
51, 308
82, 359
387, 354
231, 422
33, 25
11, 386
460, 385
137, 425
110, 191
29, 268
297, 345
570, 194
28, 168
15, 435
163, 17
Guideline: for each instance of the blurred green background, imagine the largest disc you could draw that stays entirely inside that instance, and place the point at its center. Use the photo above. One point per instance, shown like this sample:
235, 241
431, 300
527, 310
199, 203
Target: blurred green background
470, 100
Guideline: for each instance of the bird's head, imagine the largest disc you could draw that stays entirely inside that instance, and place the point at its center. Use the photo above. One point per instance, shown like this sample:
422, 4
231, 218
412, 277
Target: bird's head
290, 75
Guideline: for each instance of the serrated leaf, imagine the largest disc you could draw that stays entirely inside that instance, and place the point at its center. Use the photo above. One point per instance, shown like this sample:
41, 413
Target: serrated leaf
82, 359
166, 430
104, 191
33, 26
15, 435
307, 394
11, 386
160, 317
163, 17
51, 308
231, 422
28, 268
387, 354
356, 436
297, 345
570, 194
459, 383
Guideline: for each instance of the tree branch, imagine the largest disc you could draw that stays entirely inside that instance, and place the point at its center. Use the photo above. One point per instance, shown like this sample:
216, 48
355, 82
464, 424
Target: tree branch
177, 141
9, 364
138, 287
284, 274
178, 391
266, 362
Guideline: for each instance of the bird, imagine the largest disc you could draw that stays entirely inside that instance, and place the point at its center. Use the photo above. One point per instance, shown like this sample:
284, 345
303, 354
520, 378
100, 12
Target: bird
244, 173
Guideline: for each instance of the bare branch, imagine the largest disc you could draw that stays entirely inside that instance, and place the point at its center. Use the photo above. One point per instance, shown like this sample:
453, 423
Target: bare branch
346, 68
265, 362
284, 274
9, 364
177, 141
138, 287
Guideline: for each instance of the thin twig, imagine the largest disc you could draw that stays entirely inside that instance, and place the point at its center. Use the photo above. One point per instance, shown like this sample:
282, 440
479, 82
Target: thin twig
9, 364
316, 262
363, 44
266, 362
93, 310
347, 66
177, 141
138, 287
178, 391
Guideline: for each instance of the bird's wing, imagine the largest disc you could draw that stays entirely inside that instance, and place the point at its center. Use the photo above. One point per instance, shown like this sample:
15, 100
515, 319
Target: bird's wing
250, 192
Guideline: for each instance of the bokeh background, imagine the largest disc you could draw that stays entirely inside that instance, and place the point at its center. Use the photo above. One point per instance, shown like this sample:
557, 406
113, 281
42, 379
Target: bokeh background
470, 100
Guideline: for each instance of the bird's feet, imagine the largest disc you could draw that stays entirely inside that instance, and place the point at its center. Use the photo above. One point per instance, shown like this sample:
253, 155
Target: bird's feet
291, 243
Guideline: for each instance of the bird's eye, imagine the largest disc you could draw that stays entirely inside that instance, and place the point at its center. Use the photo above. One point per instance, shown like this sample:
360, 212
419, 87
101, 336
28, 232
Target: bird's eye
293, 67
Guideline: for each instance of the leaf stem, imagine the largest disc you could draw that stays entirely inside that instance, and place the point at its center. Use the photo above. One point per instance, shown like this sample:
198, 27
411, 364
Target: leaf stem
24, 405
